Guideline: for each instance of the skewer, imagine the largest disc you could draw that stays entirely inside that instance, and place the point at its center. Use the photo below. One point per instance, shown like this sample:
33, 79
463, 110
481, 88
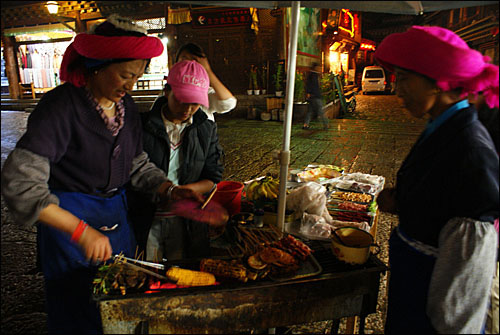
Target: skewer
209, 196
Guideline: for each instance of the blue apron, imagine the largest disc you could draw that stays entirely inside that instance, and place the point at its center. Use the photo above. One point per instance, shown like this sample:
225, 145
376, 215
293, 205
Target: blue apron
409, 278
68, 275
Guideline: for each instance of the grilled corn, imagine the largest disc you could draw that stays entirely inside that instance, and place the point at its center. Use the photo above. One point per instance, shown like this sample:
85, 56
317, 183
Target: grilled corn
224, 268
190, 277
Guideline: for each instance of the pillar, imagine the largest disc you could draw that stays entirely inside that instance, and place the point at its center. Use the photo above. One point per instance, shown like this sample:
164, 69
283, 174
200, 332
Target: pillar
9, 53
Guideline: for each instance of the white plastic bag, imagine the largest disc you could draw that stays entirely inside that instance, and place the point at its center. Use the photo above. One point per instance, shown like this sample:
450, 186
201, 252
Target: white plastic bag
309, 198
315, 227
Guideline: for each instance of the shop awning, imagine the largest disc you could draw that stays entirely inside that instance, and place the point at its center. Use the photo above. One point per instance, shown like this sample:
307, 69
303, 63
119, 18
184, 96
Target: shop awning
46, 28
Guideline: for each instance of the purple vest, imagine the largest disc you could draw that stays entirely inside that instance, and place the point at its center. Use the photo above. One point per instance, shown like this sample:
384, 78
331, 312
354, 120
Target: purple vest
83, 154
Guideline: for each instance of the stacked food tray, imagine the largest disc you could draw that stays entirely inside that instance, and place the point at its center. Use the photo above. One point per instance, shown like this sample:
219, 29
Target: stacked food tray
353, 198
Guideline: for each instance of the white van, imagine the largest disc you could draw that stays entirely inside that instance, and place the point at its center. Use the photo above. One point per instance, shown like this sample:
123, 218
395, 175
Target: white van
373, 79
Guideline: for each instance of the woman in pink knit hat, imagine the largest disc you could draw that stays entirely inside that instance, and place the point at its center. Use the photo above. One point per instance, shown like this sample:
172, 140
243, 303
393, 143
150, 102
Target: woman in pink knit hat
443, 252
182, 141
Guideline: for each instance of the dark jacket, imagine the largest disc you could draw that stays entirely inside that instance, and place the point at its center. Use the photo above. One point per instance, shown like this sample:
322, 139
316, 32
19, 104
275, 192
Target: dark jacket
453, 173
201, 150
312, 84
203, 159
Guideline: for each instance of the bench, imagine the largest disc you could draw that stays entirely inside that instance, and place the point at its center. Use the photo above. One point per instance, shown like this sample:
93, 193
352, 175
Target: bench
30, 89
27, 89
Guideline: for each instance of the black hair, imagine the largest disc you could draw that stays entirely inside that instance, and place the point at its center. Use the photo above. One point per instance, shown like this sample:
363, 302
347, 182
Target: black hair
192, 48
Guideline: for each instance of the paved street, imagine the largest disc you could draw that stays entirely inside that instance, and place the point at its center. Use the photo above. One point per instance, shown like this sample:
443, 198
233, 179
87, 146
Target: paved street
375, 140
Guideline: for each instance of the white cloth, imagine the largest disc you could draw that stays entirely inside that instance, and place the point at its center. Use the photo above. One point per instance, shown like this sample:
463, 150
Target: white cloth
459, 291
492, 319
216, 105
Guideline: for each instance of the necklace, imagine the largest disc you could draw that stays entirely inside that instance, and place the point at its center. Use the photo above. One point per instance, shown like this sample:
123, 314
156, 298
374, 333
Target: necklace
108, 108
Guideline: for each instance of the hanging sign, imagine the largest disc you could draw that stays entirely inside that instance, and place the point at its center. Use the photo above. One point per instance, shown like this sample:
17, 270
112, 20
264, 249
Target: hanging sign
276, 12
221, 18
346, 22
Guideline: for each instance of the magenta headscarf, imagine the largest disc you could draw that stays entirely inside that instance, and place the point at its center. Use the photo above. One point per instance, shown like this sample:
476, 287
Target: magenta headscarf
105, 48
442, 55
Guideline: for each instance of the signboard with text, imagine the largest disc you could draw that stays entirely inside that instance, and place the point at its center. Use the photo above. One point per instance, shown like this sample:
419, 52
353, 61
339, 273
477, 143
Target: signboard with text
221, 18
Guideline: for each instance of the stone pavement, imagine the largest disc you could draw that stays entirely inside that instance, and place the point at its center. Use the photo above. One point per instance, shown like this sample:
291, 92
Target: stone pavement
375, 140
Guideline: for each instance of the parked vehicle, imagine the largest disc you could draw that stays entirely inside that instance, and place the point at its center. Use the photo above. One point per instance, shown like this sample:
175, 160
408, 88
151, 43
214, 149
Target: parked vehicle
373, 79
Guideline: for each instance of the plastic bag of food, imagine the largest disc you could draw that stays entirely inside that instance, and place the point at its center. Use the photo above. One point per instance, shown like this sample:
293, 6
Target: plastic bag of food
315, 227
309, 198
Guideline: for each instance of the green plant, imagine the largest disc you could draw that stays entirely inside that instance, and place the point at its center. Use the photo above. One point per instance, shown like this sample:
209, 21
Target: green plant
278, 77
252, 75
328, 89
263, 77
299, 93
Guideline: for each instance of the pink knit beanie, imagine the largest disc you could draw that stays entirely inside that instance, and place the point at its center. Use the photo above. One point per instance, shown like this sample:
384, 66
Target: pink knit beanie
442, 55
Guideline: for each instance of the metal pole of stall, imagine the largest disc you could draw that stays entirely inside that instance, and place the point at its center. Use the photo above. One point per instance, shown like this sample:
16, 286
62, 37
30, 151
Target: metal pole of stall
287, 125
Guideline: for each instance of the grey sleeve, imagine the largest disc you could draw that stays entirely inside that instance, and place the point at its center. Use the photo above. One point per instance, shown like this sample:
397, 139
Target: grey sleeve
145, 176
25, 186
460, 284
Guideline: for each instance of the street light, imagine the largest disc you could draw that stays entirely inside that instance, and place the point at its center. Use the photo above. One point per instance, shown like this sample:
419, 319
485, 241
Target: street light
52, 7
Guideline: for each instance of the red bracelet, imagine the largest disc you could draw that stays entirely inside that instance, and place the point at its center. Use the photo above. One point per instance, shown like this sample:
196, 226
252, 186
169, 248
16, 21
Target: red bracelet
79, 231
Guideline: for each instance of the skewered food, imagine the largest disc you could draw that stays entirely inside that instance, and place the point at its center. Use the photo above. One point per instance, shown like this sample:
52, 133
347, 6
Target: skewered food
222, 268
352, 196
276, 256
117, 276
256, 263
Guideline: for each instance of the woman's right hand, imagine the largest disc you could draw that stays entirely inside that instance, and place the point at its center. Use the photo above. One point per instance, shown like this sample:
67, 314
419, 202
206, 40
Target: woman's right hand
96, 245
386, 201
185, 192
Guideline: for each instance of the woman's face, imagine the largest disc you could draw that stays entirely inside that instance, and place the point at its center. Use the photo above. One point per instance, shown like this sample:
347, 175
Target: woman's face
113, 81
178, 111
417, 91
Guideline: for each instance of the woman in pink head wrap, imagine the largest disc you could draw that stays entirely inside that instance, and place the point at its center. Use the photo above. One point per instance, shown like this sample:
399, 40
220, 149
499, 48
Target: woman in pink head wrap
442, 254
67, 173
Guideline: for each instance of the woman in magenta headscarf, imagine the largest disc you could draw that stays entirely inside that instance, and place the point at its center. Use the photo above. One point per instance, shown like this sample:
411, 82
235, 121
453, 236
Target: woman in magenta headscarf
83, 143
442, 255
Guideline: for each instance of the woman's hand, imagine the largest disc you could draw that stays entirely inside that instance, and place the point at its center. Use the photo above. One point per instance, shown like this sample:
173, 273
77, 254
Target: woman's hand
204, 62
183, 192
96, 246
386, 201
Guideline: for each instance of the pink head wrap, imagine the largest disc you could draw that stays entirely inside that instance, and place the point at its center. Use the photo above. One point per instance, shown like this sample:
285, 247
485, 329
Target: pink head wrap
442, 55
105, 47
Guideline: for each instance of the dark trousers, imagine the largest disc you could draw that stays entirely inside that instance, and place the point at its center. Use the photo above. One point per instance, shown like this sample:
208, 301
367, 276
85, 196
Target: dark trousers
315, 107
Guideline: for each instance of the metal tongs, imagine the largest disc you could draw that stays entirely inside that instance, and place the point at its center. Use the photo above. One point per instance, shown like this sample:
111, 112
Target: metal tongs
136, 261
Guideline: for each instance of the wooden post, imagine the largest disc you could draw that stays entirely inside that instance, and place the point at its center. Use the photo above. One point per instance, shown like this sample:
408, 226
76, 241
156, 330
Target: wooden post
80, 26
11, 65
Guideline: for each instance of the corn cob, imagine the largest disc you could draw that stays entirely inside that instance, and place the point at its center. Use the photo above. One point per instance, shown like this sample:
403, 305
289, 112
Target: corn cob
223, 268
190, 277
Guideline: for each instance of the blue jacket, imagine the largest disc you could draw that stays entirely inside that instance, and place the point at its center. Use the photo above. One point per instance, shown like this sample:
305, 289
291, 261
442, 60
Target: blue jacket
453, 173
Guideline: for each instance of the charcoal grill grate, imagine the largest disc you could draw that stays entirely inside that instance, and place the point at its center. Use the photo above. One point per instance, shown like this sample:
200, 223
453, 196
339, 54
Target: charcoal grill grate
330, 264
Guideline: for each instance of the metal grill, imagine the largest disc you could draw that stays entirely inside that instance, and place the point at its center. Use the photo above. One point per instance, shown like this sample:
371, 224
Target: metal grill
330, 264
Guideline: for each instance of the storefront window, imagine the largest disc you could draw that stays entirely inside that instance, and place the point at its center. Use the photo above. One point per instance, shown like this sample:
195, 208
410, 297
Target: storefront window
339, 61
154, 78
39, 63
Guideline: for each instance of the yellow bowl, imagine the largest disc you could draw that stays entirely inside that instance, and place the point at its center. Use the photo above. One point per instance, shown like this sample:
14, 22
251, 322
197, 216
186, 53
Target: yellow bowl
352, 245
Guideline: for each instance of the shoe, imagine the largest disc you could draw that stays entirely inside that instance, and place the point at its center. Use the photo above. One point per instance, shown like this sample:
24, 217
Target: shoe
305, 127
